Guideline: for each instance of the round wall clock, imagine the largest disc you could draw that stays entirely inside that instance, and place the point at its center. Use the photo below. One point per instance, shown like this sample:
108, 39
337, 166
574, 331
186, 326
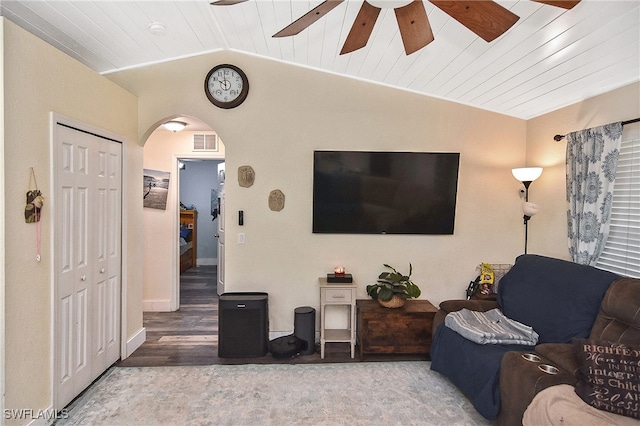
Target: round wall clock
226, 86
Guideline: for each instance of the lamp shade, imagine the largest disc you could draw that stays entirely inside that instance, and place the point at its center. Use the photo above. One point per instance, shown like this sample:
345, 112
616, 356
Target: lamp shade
527, 174
174, 126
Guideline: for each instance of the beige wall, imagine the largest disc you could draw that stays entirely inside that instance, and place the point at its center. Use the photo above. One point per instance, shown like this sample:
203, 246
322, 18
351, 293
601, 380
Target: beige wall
290, 111
161, 271
39, 79
2, 207
548, 229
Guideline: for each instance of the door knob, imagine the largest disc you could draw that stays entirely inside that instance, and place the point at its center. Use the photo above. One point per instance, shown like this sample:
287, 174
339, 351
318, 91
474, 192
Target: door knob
216, 235
102, 271
83, 278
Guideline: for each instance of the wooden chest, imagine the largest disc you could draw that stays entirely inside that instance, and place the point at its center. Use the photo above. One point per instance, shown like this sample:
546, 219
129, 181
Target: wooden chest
405, 330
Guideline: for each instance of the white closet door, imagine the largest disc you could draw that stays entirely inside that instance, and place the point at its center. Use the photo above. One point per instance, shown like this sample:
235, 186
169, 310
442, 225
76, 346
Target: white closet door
106, 255
87, 258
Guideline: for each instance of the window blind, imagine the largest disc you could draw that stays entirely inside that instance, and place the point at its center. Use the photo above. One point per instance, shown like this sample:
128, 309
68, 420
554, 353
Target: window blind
621, 253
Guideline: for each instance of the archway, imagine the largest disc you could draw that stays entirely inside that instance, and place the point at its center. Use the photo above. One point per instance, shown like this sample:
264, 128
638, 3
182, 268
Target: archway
162, 151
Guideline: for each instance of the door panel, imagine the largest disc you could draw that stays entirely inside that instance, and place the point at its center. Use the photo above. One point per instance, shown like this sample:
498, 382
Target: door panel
65, 248
113, 270
81, 224
112, 314
66, 336
81, 333
221, 227
99, 256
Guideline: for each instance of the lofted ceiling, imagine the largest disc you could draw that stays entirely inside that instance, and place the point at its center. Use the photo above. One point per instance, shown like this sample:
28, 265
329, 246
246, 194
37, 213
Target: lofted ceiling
550, 58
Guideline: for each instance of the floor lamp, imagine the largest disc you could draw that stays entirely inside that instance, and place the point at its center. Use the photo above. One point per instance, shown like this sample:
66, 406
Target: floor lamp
526, 175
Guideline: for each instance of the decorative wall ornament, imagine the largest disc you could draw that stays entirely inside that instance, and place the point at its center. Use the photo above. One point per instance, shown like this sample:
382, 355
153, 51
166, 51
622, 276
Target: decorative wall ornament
276, 200
35, 200
246, 176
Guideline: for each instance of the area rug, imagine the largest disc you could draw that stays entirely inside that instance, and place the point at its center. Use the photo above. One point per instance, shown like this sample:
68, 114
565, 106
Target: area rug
381, 393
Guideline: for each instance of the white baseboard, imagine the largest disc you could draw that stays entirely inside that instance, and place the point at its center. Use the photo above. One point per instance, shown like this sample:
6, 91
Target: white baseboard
136, 341
38, 421
44, 417
207, 261
156, 306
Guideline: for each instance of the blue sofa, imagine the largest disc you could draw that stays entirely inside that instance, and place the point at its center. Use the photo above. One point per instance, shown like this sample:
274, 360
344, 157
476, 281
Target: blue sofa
558, 298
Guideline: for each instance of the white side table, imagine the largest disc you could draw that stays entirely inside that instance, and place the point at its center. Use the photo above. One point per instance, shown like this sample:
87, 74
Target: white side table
341, 294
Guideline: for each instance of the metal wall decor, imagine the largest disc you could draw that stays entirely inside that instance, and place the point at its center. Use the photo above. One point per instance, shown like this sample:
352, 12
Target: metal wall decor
276, 200
246, 176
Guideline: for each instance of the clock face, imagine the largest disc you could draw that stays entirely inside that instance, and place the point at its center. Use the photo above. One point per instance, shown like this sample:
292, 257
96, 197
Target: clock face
226, 86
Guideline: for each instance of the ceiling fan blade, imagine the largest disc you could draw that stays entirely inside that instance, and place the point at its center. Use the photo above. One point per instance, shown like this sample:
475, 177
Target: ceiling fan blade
361, 28
414, 26
308, 18
487, 19
226, 2
566, 4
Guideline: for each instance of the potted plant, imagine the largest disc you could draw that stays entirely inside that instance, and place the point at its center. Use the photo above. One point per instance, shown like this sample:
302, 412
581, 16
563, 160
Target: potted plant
393, 288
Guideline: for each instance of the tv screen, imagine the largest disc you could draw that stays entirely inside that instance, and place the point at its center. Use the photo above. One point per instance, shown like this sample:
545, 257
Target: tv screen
358, 192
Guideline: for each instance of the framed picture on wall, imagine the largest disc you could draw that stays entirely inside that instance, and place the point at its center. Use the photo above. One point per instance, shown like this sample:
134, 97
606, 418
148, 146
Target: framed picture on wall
155, 189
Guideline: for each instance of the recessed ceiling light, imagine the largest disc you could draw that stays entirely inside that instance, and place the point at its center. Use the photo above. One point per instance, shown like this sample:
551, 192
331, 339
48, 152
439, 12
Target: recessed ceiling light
157, 28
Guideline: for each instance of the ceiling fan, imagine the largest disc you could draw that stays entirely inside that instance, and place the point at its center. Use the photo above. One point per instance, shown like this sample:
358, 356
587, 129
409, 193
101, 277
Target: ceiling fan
485, 18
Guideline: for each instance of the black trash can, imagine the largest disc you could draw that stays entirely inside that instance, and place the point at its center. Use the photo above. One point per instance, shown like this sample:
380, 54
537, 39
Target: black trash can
243, 325
304, 326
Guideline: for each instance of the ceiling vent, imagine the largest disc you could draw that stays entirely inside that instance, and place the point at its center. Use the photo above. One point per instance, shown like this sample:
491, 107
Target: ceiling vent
205, 142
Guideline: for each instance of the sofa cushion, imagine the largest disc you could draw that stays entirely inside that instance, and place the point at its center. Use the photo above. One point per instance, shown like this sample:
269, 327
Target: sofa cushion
619, 317
558, 298
609, 376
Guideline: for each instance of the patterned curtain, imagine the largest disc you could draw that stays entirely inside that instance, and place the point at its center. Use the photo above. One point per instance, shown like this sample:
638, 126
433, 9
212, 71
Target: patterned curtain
592, 158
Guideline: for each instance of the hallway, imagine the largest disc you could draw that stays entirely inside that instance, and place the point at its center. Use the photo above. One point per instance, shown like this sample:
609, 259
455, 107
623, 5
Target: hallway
188, 336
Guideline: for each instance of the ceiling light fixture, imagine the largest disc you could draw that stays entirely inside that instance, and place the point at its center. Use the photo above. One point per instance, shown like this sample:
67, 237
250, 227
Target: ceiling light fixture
157, 28
389, 4
174, 126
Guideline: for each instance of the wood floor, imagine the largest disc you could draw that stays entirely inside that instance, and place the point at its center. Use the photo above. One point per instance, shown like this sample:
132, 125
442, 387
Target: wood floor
189, 336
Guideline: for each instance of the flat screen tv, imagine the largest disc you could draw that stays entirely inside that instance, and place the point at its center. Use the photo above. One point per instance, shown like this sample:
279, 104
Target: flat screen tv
359, 192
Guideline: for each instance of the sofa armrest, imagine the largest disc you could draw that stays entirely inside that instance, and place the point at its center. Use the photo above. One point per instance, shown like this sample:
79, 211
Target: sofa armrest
472, 305
520, 382
562, 355
448, 306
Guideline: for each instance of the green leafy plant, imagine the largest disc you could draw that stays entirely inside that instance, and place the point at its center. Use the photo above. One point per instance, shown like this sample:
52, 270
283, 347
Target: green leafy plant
393, 283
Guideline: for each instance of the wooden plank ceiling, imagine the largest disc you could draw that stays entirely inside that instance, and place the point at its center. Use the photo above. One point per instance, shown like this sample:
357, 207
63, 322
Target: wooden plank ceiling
550, 58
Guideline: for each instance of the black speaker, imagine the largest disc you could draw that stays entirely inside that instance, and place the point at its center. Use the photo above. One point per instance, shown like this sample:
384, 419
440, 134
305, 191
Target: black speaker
243, 325
304, 325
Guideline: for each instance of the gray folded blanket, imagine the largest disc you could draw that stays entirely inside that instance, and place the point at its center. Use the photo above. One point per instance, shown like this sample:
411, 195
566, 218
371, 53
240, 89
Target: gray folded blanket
490, 327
